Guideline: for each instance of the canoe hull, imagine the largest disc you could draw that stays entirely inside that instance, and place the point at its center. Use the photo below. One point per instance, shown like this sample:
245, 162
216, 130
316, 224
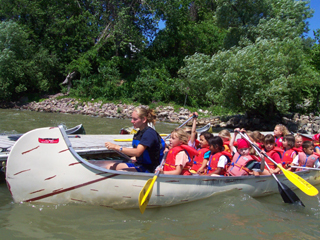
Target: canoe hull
43, 167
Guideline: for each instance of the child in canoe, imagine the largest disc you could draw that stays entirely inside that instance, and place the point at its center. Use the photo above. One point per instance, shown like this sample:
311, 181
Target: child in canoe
257, 137
298, 142
225, 136
242, 162
280, 131
275, 153
307, 158
315, 140
204, 148
215, 161
288, 154
180, 155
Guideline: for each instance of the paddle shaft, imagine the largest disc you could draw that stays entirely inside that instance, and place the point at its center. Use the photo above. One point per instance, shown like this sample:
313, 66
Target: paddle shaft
287, 194
257, 148
180, 126
257, 151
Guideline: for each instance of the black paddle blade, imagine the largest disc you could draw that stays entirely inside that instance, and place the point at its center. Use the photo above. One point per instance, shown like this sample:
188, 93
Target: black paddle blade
288, 195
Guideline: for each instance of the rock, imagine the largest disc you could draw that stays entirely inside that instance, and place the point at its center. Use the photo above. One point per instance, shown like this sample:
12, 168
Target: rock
315, 128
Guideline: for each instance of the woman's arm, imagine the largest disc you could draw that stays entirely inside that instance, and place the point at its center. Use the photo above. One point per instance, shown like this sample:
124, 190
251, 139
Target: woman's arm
135, 152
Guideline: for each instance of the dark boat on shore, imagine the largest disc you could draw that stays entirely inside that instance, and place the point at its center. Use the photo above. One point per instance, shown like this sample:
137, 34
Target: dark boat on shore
79, 129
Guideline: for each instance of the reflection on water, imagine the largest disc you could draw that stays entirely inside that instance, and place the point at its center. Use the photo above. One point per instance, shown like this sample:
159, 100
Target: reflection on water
231, 215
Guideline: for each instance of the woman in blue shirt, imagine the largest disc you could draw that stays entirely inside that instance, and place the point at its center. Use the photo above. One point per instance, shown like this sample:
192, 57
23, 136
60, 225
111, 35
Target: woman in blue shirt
147, 145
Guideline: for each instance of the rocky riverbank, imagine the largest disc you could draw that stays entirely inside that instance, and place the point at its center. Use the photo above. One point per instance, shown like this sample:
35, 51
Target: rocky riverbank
295, 122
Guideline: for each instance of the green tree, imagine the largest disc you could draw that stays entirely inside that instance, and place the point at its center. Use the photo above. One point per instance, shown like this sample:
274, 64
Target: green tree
190, 28
312, 89
24, 66
266, 67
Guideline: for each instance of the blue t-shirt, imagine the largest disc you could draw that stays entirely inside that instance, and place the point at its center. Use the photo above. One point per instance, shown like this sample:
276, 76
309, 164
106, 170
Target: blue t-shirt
207, 155
149, 138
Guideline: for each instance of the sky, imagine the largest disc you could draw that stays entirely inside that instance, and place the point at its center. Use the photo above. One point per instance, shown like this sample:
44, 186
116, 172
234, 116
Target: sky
314, 22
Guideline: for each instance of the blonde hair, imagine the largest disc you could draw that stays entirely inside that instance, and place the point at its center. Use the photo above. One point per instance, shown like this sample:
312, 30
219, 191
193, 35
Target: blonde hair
181, 134
258, 136
283, 129
148, 113
224, 134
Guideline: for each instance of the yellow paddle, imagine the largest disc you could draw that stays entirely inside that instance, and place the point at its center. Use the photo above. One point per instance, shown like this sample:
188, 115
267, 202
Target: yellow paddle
146, 191
300, 183
123, 140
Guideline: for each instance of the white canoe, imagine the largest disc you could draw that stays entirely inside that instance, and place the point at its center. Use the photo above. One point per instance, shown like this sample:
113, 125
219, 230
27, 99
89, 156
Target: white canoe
43, 167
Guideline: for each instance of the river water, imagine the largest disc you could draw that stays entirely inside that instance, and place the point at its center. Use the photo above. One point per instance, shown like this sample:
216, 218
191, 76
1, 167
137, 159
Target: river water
230, 215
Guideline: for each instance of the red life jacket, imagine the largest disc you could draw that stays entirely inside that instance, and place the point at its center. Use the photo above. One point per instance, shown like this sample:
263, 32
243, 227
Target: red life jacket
238, 165
278, 142
198, 160
214, 160
297, 149
170, 163
197, 143
306, 161
275, 150
286, 157
259, 145
226, 145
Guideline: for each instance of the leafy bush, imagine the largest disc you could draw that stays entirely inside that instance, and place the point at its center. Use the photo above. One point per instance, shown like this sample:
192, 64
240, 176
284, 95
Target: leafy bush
24, 67
266, 75
154, 85
106, 84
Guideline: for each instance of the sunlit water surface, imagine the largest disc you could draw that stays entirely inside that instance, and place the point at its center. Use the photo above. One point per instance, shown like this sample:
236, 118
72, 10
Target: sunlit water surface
230, 215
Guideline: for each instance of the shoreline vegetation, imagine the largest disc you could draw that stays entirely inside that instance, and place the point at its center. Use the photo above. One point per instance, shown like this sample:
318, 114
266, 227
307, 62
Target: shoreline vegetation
59, 103
240, 56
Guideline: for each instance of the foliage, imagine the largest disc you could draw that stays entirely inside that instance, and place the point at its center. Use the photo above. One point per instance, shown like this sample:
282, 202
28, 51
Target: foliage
105, 85
154, 85
312, 90
227, 55
266, 68
24, 66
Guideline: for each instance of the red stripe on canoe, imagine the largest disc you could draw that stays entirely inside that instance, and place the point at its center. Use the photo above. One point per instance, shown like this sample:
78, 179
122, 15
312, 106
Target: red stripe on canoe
50, 177
30, 150
22, 171
64, 150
